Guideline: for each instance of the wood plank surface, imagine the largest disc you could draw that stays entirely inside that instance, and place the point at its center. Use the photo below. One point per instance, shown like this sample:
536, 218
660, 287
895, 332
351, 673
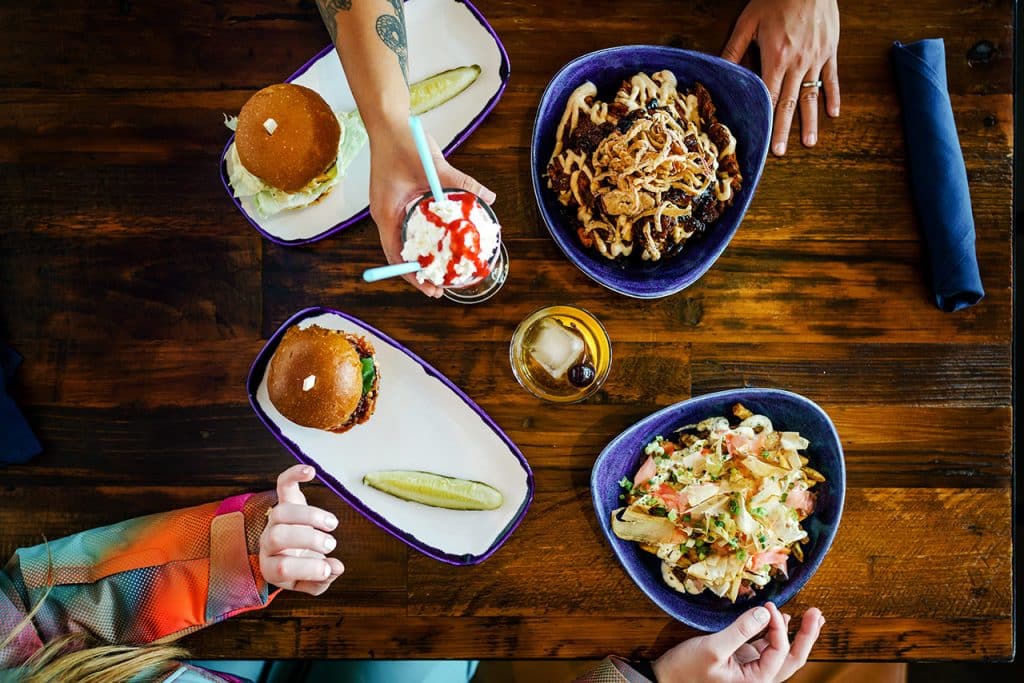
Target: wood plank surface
861, 639
139, 296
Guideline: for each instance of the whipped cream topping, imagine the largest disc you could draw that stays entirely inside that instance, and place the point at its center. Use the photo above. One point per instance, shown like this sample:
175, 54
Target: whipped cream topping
447, 210
444, 263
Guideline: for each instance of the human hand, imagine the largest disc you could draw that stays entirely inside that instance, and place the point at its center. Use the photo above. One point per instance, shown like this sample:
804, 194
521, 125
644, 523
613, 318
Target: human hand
798, 41
396, 178
733, 654
292, 551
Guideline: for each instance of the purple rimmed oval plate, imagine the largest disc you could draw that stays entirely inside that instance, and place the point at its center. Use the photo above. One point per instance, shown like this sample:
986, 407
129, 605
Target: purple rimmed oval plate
443, 34
422, 422
787, 411
743, 105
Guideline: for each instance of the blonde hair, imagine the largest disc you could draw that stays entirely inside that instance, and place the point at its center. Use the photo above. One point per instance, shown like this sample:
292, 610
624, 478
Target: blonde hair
73, 657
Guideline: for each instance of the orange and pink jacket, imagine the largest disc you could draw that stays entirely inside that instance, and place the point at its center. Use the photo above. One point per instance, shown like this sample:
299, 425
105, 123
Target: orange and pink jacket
154, 579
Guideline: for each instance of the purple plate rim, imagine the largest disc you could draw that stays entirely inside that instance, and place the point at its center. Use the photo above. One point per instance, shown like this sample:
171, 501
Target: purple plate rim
537, 190
252, 383
504, 73
737, 394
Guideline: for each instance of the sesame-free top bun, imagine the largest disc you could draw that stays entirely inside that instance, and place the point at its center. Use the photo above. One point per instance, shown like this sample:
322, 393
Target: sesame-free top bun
302, 147
333, 399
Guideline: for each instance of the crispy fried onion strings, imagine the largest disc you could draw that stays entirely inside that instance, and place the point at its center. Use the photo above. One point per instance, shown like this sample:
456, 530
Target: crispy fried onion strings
635, 168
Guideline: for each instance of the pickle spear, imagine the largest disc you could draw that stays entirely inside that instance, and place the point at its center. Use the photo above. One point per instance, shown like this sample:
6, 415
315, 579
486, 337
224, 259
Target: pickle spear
436, 490
435, 90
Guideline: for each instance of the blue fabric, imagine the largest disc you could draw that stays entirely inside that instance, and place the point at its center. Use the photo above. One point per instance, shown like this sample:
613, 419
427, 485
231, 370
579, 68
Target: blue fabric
373, 671
17, 442
392, 671
938, 177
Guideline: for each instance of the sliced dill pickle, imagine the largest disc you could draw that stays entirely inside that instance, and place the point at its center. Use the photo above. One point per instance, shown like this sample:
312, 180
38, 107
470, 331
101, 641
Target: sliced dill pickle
437, 89
436, 490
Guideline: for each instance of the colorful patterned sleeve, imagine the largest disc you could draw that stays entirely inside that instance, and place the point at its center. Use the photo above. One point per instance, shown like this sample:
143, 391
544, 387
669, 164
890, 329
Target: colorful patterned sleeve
613, 670
148, 579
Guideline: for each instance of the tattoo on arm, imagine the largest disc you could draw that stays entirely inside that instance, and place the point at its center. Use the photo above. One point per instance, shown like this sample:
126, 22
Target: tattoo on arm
328, 10
391, 29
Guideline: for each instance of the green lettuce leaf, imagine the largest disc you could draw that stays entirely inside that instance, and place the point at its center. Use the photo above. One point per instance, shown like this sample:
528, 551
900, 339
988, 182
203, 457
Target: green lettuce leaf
353, 138
269, 201
369, 374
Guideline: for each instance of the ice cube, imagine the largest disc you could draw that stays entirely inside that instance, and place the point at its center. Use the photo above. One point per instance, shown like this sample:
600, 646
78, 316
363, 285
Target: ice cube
555, 347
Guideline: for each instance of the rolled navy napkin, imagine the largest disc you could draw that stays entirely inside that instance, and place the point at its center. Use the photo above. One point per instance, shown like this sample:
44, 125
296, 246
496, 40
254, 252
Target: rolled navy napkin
17, 442
938, 177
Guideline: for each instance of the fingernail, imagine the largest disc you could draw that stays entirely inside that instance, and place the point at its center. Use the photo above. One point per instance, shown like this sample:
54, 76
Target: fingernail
307, 471
326, 570
811, 139
779, 149
329, 543
761, 615
821, 621
330, 522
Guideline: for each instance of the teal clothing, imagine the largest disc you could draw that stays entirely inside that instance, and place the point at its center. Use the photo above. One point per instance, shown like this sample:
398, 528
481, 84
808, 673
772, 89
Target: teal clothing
375, 671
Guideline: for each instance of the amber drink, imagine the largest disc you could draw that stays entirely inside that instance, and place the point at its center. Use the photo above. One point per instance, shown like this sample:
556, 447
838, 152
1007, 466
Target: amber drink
561, 354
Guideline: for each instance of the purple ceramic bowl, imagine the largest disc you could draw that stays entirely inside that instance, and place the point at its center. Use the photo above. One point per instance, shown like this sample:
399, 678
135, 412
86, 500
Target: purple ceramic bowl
259, 368
788, 411
743, 105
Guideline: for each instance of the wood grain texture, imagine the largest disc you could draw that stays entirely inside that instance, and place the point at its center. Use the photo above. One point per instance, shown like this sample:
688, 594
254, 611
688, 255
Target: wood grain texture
124, 445
139, 296
811, 291
859, 639
879, 550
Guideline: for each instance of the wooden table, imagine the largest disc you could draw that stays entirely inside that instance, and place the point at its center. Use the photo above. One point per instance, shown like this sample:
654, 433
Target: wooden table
139, 296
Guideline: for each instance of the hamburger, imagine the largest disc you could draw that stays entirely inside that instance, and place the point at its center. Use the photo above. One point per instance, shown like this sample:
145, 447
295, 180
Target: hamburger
290, 148
324, 379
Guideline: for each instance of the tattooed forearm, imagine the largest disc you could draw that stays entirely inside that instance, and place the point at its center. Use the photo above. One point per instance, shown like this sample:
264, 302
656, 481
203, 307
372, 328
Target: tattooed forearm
328, 10
391, 29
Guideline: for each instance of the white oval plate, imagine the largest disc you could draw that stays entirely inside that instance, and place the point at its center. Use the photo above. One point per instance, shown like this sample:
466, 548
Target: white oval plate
443, 34
422, 422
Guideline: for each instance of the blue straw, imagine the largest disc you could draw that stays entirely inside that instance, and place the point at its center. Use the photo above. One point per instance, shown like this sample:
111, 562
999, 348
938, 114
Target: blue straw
426, 158
383, 272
